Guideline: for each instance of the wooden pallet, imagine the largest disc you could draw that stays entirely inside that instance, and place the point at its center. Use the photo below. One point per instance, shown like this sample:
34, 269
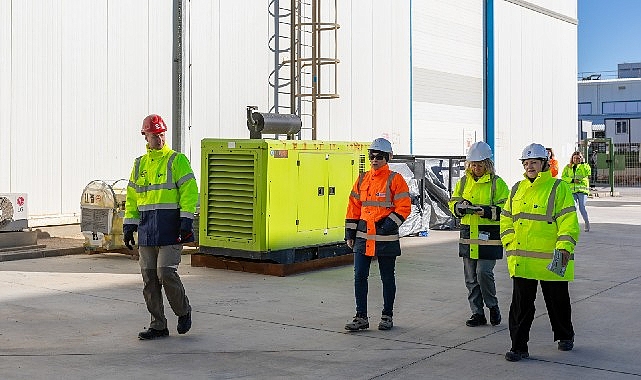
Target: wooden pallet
271, 269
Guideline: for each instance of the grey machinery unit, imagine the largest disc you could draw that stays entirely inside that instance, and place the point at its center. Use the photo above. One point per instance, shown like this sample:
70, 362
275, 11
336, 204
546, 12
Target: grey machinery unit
259, 123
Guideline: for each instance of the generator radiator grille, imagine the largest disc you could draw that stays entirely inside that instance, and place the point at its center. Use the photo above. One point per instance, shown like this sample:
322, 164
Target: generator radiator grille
231, 195
362, 168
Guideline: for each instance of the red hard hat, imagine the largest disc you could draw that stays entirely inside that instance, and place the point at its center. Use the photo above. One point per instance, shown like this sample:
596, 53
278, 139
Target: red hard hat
153, 124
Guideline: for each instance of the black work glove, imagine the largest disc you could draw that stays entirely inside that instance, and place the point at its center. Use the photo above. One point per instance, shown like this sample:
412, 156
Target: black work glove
186, 230
491, 212
460, 207
128, 232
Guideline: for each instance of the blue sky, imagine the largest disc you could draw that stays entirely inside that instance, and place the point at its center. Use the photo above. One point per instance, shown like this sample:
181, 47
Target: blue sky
609, 34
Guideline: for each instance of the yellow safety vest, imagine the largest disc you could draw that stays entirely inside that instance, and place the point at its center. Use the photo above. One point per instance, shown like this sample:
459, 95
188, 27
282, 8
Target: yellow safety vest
488, 190
582, 173
162, 189
538, 218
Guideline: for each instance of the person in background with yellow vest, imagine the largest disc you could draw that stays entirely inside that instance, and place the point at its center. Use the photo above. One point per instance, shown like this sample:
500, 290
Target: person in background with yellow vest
378, 204
538, 219
554, 163
477, 199
577, 173
161, 201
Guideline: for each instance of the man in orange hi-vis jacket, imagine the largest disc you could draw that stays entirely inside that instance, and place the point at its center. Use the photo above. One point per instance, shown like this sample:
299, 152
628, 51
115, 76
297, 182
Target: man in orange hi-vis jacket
378, 205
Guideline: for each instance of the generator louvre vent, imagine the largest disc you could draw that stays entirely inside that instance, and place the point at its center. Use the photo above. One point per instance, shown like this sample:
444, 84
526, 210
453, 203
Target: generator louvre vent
231, 195
361, 164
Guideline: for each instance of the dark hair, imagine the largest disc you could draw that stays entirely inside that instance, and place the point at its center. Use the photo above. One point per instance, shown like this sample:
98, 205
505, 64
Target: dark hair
577, 153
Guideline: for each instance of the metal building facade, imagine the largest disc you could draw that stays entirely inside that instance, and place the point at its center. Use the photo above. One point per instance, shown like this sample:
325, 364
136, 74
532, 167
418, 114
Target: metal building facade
535, 51
78, 77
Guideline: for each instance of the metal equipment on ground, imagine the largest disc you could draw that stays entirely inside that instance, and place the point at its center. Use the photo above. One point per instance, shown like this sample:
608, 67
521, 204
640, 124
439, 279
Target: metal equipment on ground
14, 226
102, 207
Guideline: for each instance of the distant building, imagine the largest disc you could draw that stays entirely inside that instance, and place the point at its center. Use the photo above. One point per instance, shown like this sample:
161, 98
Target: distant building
611, 107
629, 70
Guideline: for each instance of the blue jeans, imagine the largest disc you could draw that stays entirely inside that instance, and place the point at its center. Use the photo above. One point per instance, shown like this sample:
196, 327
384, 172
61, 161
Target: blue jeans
386, 267
579, 199
479, 280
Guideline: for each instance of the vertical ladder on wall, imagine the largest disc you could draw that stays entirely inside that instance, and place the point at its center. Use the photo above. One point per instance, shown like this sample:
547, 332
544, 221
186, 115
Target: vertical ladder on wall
305, 61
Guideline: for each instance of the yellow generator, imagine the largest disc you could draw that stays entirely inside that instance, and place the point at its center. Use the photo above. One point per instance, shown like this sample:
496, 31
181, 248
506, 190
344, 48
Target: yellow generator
281, 201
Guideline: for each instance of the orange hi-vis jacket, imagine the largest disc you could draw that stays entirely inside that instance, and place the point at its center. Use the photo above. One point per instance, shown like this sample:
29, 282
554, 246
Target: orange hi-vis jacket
554, 167
378, 205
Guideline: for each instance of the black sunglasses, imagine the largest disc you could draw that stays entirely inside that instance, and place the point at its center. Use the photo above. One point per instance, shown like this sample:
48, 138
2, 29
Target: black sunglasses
376, 156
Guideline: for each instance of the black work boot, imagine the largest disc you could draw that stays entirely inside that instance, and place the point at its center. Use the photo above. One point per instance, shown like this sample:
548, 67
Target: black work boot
476, 320
153, 334
495, 315
566, 344
515, 356
184, 323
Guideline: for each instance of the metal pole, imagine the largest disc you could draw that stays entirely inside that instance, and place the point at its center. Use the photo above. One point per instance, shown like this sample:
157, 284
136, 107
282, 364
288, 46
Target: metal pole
314, 65
276, 53
178, 95
292, 59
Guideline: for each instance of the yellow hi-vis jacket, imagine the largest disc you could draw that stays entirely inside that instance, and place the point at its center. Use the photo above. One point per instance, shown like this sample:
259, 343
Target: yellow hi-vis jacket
581, 172
378, 204
162, 189
490, 193
538, 218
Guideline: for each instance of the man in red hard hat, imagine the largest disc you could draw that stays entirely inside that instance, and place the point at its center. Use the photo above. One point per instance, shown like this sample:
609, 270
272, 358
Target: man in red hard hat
161, 202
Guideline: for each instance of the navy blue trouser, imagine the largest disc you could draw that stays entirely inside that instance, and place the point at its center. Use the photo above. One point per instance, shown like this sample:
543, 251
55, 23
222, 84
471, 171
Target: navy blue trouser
386, 267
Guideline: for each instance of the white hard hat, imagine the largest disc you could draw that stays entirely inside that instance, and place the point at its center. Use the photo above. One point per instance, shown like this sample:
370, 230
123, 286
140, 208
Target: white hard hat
534, 150
479, 151
382, 145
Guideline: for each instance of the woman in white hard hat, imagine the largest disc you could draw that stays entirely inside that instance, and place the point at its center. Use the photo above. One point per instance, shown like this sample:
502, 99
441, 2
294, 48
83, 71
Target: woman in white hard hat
378, 204
477, 199
539, 222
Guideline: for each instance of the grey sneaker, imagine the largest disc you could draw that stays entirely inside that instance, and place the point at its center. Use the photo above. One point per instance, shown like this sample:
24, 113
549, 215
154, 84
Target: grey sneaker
358, 323
385, 323
587, 226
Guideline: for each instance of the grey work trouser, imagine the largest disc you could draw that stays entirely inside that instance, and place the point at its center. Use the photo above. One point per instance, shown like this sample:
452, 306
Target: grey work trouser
479, 280
159, 268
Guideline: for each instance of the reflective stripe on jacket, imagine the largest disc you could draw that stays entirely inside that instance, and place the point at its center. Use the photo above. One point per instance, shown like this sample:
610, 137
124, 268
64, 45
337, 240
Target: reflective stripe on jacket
490, 192
378, 204
538, 218
162, 189
582, 173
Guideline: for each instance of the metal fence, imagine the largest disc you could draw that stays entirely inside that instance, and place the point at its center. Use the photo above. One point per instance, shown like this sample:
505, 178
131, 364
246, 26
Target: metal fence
616, 167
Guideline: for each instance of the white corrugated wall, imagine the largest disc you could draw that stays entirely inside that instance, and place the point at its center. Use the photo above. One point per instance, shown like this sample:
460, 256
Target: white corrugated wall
78, 77
447, 76
535, 57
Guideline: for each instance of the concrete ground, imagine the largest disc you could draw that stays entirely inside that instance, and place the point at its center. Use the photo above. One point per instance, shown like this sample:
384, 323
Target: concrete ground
78, 316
